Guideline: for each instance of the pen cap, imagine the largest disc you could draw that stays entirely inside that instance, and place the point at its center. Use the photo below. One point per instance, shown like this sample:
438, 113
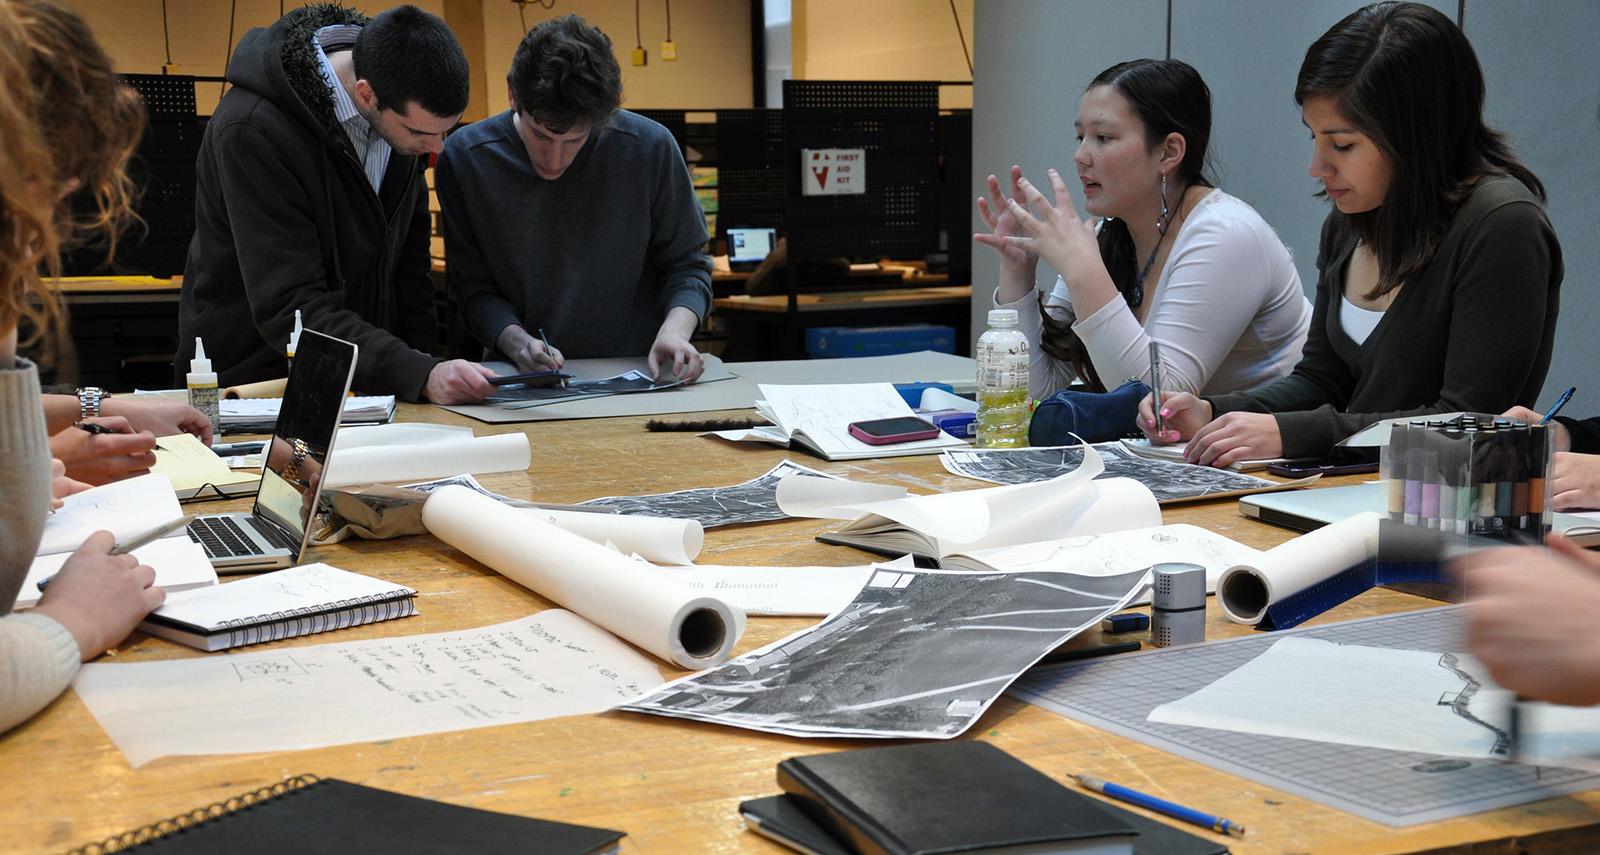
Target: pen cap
1178, 585
200, 366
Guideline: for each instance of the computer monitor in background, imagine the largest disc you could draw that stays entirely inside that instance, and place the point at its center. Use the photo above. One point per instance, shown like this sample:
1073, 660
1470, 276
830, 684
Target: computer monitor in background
747, 247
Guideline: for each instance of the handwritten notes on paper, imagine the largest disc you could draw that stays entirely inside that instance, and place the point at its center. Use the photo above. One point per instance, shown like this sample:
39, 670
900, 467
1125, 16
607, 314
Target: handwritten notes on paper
542, 666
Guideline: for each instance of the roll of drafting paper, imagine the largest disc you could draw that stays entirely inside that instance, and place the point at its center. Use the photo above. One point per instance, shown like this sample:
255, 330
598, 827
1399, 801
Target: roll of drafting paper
1245, 591
505, 452
658, 539
627, 597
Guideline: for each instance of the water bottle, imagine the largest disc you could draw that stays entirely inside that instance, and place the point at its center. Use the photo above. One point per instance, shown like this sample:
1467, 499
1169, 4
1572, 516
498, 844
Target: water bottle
1003, 383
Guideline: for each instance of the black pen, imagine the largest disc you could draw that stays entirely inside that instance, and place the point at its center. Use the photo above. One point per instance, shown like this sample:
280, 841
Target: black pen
93, 428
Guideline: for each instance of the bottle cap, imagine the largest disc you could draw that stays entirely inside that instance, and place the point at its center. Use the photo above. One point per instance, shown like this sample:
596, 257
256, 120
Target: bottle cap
199, 364
1002, 317
294, 335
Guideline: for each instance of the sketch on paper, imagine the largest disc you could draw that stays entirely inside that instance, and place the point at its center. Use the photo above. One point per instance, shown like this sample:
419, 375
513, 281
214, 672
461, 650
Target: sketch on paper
1167, 480
917, 653
753, 501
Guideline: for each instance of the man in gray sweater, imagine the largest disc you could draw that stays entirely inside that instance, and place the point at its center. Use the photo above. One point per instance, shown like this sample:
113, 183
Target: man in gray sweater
572, 222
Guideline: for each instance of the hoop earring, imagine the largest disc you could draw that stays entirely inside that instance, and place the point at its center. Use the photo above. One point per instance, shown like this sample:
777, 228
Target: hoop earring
1165, 219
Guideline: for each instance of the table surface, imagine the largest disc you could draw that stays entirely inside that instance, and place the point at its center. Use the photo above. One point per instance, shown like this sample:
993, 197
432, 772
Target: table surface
673, 785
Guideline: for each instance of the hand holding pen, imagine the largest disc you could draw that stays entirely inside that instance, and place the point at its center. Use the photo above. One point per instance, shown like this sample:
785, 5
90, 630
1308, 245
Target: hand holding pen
103, 450
100, 597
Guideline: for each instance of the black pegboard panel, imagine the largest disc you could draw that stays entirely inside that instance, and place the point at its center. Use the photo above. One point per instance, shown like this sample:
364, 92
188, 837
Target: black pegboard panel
166, 96
896, 123
750, 176
955, 163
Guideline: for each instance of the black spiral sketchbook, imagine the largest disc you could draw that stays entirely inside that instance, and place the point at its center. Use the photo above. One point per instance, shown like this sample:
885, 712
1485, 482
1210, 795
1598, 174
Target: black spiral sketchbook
307, 815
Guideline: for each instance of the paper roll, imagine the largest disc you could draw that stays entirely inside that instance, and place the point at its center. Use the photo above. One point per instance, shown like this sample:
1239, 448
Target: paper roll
1245, 591
662, 540
630, 599
505, 452
262, 389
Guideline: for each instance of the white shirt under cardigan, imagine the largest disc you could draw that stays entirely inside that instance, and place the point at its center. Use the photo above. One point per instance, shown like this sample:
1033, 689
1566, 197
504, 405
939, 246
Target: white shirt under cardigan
1228, 310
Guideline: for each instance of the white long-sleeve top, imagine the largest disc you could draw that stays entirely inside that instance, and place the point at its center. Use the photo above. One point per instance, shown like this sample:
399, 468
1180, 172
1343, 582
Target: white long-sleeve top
1228, 311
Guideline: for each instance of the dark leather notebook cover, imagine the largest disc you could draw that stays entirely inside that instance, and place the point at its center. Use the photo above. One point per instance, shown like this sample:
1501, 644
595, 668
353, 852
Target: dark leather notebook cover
940, 797
334, 816
782, 819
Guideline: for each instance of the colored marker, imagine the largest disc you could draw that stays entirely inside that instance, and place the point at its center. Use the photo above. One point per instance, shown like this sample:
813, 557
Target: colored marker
1399, 436
1161, 806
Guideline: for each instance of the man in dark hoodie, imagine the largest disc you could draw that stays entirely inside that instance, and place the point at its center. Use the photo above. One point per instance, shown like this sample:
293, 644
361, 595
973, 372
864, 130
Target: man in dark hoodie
311, 197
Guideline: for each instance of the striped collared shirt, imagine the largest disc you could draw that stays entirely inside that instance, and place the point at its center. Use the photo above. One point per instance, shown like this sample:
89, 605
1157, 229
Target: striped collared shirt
372, 150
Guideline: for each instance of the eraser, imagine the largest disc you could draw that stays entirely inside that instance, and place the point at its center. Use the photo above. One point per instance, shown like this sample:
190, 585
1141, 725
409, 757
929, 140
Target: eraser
954, 422
1125, 622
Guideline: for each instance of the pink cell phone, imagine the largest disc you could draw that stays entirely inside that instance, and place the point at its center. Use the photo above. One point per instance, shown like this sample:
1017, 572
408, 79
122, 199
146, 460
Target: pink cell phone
890, 431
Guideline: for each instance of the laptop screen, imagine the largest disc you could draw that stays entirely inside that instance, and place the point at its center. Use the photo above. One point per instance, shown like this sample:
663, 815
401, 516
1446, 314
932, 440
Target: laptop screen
750, 245
313, 401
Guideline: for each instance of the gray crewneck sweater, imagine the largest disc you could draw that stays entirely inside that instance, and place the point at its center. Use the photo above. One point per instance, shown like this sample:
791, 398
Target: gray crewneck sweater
38, 656
595, 258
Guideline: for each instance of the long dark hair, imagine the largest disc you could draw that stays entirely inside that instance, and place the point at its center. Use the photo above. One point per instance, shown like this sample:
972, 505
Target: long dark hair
1405, 75
1169, 97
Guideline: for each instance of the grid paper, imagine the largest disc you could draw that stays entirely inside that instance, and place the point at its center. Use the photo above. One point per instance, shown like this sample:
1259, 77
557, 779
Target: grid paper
1396, 788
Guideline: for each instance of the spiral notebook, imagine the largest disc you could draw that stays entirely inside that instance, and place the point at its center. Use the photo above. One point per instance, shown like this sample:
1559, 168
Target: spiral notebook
298, 601
308, 815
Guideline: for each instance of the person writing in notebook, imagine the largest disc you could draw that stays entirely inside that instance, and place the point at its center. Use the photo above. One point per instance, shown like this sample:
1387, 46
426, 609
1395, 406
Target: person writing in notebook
1530, 619
1170, 258
1439, 273
123, 443
65, 121
569, 215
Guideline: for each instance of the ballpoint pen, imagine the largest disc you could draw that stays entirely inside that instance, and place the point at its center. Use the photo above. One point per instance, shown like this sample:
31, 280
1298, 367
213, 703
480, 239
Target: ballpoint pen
1161, 806
142, 539
547, 353
1560, 402
1155, 385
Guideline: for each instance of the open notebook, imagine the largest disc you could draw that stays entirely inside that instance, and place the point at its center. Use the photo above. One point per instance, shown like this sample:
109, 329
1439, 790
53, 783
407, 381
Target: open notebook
284, 604
817, 418
196, 472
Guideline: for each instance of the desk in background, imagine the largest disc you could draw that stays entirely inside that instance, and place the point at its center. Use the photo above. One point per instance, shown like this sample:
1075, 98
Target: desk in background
767, 327
124, 330
673, 785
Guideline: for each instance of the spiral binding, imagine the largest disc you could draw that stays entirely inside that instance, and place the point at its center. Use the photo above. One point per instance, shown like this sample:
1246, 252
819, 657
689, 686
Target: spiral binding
324, 617
197, 817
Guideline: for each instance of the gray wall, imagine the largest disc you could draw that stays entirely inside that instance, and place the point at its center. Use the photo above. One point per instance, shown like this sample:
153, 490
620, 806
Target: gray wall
1033, 57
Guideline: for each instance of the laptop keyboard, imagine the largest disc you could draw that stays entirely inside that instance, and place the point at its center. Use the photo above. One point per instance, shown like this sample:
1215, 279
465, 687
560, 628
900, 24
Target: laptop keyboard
221, 537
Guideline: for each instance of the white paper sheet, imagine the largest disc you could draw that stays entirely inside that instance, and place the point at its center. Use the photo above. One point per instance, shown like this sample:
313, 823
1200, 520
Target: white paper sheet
660, 539
368, 464
542, 666
807, 591
179, 562
1246, 591
1402, 700
630, 599
1115, 552
127, 509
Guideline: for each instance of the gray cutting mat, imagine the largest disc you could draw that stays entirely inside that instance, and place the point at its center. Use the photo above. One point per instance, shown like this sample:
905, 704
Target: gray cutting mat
1392, 787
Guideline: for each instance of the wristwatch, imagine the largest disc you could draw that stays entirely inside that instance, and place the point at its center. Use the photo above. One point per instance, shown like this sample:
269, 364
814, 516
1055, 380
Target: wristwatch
291, 470
89, 398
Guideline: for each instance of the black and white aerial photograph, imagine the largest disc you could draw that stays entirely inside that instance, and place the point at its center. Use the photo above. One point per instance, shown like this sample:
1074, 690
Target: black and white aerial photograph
1169, 481
916, 654
753, 501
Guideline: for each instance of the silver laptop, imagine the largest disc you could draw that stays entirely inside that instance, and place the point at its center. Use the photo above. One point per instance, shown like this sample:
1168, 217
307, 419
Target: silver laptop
1304, 510
275, 532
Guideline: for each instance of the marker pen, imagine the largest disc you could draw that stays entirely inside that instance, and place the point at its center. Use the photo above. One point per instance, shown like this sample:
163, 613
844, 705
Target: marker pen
1414, 473
1399, 436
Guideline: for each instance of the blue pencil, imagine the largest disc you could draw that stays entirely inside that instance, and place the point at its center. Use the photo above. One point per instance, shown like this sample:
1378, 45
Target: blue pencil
1161, 806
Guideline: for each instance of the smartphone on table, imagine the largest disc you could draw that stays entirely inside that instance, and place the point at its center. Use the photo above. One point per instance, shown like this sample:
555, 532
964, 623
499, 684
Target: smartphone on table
1306, 466
891, 431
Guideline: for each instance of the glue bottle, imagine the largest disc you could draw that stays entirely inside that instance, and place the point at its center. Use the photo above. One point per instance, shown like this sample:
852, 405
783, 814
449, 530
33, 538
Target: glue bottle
294, 341
202, 383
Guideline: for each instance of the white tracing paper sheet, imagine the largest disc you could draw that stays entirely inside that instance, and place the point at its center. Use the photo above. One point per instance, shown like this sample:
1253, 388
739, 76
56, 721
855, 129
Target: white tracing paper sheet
546, 665
1380, 697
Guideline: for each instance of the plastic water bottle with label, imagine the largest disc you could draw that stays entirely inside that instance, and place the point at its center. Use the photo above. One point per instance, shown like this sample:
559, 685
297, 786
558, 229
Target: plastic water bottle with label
1003, 383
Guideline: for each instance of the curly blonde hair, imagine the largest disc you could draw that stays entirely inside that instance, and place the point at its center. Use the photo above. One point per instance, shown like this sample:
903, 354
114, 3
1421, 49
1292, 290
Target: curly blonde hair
66, 123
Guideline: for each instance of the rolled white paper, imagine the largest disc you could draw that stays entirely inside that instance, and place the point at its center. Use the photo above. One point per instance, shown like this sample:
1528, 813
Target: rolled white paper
372, 464
630, 599
1246, 591
662, 540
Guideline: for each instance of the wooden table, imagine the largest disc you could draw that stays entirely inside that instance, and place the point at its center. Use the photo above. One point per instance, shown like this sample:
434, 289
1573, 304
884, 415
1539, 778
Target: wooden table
673, 785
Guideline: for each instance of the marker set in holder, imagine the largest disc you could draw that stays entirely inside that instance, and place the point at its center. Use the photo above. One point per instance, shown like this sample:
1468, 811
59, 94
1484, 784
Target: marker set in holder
1474, 474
